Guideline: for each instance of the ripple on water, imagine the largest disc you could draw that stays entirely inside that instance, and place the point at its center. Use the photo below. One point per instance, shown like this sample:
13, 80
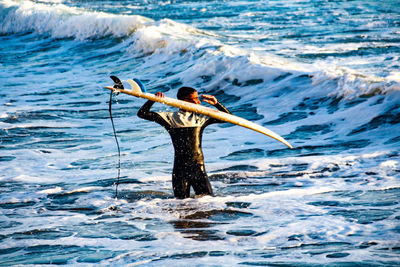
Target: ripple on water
198, 230
47, 234
57, 254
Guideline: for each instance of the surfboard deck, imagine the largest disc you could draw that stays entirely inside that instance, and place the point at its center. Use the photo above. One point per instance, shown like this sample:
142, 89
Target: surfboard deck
136, 90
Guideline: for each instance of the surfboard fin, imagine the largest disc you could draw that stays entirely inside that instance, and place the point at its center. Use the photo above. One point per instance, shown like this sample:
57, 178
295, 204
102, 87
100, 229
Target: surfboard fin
137, 86
117, 82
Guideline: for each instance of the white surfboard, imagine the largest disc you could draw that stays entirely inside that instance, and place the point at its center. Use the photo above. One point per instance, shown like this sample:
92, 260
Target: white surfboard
216, 114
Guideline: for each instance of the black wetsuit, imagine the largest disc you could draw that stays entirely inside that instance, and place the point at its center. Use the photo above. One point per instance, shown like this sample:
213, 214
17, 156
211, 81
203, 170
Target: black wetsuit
186, 130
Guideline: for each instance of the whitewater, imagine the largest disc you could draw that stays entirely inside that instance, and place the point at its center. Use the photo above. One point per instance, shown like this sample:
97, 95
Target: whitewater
323, 74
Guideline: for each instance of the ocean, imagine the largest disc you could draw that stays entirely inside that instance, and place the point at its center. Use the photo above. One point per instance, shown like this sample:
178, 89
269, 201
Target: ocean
323, 74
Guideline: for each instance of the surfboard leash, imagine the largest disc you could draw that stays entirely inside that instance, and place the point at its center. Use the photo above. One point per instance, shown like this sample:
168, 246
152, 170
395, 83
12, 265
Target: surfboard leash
116, 140
118, 85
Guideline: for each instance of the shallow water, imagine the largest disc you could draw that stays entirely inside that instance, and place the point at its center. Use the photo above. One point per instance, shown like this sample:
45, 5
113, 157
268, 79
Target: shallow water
324, 75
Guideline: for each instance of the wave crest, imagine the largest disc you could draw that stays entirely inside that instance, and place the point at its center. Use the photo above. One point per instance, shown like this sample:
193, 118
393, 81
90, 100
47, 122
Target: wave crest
60, 21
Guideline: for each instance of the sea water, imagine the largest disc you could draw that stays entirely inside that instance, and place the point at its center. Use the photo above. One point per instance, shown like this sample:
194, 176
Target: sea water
323, 74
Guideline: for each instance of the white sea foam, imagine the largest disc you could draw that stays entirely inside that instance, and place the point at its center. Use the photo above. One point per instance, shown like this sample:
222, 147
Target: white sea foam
26, 178
61, 21
54, 190
395, 76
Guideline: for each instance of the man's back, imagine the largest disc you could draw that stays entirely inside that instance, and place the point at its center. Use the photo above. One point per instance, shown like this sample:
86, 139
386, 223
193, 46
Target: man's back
186, 130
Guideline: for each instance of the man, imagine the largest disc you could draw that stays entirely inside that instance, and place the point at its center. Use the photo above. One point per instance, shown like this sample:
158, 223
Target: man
186, 130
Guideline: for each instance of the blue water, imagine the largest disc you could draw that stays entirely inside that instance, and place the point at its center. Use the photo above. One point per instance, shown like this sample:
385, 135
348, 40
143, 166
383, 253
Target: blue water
323, 74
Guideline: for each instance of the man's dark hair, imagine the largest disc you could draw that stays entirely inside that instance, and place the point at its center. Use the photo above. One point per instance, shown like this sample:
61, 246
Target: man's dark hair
185, 91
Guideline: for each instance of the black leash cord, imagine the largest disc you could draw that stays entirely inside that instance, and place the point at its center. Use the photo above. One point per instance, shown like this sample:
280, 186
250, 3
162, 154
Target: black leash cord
116, 140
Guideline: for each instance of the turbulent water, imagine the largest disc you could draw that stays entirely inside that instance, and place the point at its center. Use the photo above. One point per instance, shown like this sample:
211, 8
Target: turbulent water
323, 74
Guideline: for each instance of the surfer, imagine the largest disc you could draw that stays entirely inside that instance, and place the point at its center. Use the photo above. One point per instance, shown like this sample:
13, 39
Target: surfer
186, 130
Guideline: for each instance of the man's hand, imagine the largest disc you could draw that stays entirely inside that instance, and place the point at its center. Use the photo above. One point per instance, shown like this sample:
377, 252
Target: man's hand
159, 94
210, 99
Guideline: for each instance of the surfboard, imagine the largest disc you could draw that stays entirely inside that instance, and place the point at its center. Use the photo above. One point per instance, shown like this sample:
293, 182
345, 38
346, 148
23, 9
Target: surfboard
138, 90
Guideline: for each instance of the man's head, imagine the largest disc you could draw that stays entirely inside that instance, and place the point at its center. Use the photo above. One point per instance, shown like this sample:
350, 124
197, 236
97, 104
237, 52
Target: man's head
188, 94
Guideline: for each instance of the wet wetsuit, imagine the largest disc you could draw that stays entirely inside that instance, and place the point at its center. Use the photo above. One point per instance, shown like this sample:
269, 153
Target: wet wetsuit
186, 130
